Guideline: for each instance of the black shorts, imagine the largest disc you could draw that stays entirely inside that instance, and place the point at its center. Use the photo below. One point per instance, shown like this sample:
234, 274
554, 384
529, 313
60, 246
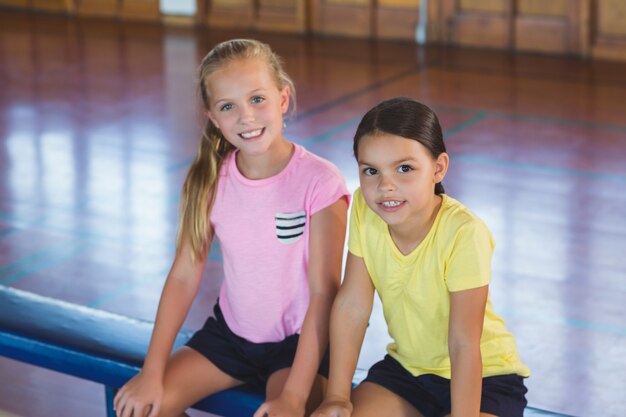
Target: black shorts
246, 361
502, 395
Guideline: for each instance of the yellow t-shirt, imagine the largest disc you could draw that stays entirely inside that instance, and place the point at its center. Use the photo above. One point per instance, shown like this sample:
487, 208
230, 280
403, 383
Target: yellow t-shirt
414, 289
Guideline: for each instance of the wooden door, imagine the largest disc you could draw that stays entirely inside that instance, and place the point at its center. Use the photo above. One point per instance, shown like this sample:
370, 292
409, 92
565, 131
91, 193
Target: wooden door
556, 26
141, 9
230, 14
16, 3
282, 16
98, 7
481, 23
66, 6
397, 19
342, 17
608, 40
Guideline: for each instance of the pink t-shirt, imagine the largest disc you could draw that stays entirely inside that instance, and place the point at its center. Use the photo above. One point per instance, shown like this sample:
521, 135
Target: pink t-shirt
263, 230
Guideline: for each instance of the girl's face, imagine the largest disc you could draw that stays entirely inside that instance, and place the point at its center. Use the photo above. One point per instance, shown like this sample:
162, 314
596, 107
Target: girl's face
398, 177
247, 105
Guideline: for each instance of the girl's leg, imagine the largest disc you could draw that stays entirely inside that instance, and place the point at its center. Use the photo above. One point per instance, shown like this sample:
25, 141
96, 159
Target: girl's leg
189, 377
276, 383
373, 400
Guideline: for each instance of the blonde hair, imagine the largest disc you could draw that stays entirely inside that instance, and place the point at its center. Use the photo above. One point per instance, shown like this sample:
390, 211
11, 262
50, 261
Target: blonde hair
201, 182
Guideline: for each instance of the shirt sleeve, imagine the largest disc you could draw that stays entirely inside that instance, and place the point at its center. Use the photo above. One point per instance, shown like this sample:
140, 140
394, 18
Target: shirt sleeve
469, 262
354, 232
328, 189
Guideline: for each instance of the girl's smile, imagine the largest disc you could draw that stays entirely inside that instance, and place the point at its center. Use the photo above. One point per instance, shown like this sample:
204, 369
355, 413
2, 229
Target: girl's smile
398, 177
247, 106
391, 205
252, 134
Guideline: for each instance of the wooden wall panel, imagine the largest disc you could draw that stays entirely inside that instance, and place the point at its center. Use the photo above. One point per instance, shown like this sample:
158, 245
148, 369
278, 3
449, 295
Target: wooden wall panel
282, 16
557, 26
435, 22
67, 6
612, 18
488, 6
543, 7
342, 17
482, 31
609, 30
105, 8
15, 3
540, 34
481, 23
231, 14
396, 19
140, 9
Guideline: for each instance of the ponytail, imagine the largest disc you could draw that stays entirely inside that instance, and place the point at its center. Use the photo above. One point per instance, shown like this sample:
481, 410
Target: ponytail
199, 191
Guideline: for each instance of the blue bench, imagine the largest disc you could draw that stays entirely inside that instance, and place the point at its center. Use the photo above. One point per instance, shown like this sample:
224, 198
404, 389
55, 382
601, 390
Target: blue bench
102, 347
92, 344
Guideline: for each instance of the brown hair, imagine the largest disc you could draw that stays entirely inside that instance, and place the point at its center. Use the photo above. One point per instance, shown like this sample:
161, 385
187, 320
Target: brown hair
405, 117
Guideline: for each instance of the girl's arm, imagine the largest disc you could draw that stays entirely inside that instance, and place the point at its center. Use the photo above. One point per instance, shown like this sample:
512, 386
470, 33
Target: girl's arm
328, 228
351, 311
467, 313
144, 391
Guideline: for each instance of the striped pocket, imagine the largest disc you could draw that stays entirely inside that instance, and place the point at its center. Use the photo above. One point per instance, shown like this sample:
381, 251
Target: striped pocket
290, 226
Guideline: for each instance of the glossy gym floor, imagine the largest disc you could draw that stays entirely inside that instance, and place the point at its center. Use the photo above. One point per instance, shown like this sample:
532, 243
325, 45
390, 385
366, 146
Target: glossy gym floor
99, 121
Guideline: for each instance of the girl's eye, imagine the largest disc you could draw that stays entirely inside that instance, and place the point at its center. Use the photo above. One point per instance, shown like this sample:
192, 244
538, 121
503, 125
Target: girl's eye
369, 171
404, 168
258, 99
226, 107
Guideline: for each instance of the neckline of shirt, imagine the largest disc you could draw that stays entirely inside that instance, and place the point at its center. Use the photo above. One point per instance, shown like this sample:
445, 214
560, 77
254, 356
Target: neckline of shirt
411, 255
232, 167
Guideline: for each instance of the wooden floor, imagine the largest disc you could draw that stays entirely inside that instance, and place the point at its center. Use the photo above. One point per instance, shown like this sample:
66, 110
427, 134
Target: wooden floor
99, 121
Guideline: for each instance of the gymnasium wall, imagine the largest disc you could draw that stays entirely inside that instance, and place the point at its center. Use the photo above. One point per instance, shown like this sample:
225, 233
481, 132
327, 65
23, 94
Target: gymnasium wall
588, 28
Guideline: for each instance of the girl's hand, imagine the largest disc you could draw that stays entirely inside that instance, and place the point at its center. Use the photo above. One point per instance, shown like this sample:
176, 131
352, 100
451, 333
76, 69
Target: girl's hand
140, 397
334, 408
283, 406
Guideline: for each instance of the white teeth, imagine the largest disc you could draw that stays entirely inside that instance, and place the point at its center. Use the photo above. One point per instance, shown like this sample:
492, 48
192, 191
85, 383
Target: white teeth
248, 135
391, 203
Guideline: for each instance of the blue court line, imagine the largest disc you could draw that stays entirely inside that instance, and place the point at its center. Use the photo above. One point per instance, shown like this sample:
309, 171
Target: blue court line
352, 123
178, 165
40, 261
123, 289
367, 89
310, 140
479, 116
329, 105
19, 224
539, 412
481, 160
12, 272
538, 315
30, 259
536, 168
215, 255
561, 121
535, 118
8, 231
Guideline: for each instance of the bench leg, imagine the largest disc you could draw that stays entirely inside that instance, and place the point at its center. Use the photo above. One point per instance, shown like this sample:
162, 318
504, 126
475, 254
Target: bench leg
109, 392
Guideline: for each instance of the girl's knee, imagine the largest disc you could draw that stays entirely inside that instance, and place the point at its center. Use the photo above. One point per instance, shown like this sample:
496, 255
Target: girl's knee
170, 407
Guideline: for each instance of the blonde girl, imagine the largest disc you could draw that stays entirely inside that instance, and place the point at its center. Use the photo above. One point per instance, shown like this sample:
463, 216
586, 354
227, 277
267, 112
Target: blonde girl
279, 213
429, 258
